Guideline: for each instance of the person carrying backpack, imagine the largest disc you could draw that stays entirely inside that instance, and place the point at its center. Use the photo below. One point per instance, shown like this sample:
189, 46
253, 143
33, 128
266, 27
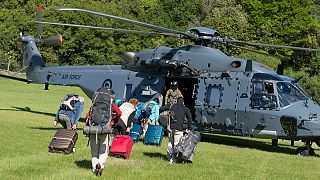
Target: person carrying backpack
102, 114
69, 112
178, 112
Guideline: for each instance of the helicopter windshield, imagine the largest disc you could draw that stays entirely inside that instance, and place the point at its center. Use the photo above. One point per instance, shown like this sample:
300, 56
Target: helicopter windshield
302, 91
289, 93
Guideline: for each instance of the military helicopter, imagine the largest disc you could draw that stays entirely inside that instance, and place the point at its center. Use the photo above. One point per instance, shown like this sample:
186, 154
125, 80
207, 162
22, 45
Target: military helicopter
227, 95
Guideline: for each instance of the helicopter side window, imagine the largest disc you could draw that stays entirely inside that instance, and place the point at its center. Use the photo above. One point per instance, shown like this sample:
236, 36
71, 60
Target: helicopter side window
214, 96
263, 95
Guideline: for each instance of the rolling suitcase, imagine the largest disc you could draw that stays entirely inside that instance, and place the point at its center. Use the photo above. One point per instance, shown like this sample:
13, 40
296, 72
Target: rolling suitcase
154, 135
135, 132
64, 141
187, 146
121, 146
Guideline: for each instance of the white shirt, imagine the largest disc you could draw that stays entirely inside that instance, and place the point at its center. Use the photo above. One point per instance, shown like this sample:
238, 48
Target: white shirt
126, 109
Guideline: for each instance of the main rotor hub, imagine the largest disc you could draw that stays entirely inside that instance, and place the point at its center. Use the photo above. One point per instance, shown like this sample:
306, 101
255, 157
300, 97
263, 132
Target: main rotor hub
204, 34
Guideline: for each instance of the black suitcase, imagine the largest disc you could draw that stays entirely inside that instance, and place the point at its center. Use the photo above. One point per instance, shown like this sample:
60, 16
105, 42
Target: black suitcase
63, 141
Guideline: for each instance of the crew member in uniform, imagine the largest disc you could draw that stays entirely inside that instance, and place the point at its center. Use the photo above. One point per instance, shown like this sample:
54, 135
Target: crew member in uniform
173, 93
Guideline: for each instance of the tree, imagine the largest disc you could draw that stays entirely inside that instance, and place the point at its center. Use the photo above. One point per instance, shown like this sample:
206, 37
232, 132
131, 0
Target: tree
284, 22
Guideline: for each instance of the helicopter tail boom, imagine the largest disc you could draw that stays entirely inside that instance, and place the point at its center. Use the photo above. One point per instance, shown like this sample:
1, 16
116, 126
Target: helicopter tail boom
31, 57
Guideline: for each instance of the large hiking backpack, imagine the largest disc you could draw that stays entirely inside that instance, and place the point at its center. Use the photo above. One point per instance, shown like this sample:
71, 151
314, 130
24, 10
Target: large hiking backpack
101, 109
68, 101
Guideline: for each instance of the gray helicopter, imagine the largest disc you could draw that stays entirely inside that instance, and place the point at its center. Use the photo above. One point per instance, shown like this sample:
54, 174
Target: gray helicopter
226, 95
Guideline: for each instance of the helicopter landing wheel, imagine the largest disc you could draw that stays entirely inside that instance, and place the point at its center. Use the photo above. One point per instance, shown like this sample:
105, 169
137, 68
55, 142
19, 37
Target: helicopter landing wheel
274, 142
305, 150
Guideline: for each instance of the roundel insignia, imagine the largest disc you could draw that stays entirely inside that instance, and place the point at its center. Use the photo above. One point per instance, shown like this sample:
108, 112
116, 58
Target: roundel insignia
107, 83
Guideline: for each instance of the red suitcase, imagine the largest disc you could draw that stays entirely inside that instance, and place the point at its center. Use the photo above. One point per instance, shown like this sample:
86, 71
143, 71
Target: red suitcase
121, 146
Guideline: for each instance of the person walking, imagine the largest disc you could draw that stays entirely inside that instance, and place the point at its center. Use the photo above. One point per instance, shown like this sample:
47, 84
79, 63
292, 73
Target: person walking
177, 112
99, 143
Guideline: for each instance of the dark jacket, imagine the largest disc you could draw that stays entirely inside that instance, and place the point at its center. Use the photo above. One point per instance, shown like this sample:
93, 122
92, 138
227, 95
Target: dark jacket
180, 113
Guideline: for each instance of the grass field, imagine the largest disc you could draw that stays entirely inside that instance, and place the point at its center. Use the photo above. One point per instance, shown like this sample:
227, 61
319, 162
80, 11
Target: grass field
26, 115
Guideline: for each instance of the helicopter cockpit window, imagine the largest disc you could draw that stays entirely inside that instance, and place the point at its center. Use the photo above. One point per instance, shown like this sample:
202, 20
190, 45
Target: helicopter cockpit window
288, 93
258, 88
261, 87
263, 95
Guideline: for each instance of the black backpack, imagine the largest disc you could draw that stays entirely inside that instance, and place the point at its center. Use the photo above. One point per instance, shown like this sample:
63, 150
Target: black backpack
101, 109
68, 101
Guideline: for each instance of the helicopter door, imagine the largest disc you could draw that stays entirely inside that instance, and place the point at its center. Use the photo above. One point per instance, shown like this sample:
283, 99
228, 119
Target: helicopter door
263, 103
187, 86
217, 101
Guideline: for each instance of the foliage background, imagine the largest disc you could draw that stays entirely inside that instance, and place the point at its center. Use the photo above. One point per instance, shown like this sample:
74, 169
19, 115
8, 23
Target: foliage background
284, 22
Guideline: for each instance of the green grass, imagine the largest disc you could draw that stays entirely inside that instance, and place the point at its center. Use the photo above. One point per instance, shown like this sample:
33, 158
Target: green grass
26, 115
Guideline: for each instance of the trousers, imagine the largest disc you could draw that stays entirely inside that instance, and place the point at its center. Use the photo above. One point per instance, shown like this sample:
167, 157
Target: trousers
173, 138
99, 145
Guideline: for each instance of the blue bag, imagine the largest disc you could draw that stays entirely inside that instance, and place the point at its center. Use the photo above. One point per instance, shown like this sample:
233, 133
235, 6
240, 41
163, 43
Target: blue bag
154, 135
135, 132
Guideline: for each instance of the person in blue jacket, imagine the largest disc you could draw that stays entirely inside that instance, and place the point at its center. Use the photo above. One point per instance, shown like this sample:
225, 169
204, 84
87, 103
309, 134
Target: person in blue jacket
69, 112
151, 113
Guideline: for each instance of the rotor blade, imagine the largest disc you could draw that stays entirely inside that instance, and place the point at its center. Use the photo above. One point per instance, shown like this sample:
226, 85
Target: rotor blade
256, 51
39, 17
226, 40
110, 29
158, 28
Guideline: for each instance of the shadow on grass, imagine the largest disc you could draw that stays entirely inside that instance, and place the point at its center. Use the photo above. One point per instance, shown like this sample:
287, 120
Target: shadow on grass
52, 128
28, 109
86, 164
155, 155
246, 143
44, 128
82, 120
